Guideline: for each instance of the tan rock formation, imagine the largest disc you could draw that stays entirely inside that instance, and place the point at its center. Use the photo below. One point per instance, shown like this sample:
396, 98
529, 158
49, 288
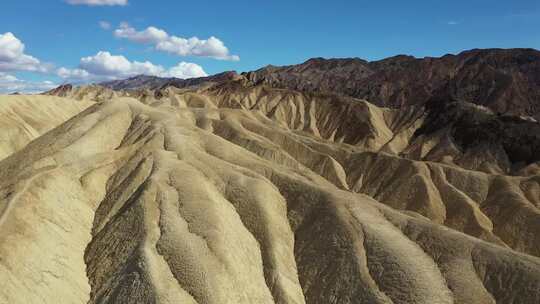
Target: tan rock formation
254, 195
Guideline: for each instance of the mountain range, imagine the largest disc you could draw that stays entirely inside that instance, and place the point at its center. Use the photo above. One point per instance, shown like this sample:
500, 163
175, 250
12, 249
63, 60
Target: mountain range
506, 81
344, 181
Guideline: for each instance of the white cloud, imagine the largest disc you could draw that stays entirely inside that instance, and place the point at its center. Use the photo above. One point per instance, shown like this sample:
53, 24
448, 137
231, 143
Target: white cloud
73, 74
13, 58
103, 63
11, 84
162, 41
98, 2
105, 25
7, 78
185, 70
105, 66
452, 22
150, 35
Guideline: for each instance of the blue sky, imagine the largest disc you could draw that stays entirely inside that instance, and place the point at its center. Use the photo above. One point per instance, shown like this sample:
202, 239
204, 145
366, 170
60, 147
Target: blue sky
59, 34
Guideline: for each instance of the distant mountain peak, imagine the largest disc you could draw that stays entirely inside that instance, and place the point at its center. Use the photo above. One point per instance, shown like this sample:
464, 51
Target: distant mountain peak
154, 82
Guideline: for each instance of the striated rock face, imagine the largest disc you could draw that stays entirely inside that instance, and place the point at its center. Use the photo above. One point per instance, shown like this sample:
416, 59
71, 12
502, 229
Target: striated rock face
242, 193
504, 80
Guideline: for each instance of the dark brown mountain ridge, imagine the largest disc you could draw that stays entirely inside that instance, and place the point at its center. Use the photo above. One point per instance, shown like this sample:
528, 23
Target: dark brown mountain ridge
504, 80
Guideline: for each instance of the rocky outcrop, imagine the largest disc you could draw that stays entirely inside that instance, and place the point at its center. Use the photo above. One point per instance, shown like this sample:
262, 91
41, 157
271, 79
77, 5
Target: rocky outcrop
61, 91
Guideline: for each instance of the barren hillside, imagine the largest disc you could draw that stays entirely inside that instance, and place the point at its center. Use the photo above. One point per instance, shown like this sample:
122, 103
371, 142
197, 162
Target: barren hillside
243, 193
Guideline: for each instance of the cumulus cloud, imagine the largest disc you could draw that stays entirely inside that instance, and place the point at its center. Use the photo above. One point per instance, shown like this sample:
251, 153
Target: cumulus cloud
103, 63
162, 41
105, 66
150, 35
98, 2
76, 75
185, 70
7, 78
13, 58
105, 25
11, 84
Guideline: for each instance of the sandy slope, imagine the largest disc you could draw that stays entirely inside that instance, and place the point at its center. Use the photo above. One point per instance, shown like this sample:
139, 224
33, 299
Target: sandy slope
254, 196
23, 118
